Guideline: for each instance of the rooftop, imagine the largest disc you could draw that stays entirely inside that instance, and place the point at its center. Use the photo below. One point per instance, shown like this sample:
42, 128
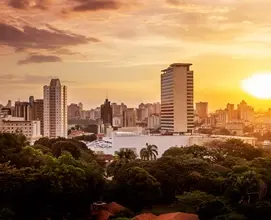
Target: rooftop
55, 82
177, 65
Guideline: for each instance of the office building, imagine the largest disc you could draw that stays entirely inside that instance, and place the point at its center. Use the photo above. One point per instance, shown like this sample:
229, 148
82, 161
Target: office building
202, 110
177, 98
129, 117
106, 112
55, 110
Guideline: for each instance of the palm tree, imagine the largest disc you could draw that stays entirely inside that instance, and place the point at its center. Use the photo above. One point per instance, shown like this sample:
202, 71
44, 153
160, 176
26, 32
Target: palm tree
150, 152
126, 155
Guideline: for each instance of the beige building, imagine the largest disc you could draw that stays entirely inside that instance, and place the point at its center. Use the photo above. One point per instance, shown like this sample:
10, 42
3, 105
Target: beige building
202, 110
129, 117
31, 129
177, 98
55, 110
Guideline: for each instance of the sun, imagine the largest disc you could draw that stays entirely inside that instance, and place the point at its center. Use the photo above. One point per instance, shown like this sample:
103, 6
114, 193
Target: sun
258, 85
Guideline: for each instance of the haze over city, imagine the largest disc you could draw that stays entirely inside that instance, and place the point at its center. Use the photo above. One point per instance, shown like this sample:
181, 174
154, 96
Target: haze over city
118, 48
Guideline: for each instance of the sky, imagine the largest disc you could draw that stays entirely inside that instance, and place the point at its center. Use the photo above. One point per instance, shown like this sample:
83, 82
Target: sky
118, 47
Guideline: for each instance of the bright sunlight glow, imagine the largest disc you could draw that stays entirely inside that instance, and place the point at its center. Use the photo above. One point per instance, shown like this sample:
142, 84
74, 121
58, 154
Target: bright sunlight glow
258, 85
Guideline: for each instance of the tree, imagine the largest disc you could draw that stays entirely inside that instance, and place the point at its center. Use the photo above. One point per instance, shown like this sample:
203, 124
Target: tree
195, 198
173, 152
149, 153
126, 155
138, 184
69, 146
10, 147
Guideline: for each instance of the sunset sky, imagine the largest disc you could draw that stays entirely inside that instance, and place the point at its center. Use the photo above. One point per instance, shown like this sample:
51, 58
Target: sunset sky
119, 47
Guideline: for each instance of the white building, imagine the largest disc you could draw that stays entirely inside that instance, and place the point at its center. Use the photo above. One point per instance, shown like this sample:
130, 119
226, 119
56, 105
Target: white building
31, 129
177, 98
153, 121
55, 110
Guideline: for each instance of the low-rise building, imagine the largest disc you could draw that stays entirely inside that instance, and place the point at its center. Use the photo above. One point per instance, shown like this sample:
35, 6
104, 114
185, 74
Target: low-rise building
31, 129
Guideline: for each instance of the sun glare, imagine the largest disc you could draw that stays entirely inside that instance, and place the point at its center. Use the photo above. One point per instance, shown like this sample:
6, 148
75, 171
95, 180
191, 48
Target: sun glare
258, 85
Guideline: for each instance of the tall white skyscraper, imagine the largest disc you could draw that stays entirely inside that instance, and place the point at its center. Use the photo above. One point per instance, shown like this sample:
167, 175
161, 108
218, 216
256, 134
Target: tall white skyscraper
177, 98
55, 110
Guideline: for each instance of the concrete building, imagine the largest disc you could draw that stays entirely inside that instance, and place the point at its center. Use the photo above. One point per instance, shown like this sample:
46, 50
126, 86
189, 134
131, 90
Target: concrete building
37, 113
106, 113
129, 117
177, 98
31, 129
23, 109
153, 121
55, 110
202, 110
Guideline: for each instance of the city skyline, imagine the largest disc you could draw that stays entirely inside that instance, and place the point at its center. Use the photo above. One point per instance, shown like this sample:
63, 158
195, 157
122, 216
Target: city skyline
91, 55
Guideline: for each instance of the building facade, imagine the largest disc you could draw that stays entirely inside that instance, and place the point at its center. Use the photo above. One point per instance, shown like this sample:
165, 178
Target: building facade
55, 110
74, 111
129, 117
31, 129
177, 98
202, 110
37, 113
23, 109
153, 121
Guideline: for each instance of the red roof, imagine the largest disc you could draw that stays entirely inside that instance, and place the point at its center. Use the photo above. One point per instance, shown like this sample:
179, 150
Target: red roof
169, 216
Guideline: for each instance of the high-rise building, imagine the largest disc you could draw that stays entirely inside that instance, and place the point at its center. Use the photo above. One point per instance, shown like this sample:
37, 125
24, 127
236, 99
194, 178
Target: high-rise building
80, 106
157, 108
37, 113
153, 121
245, 112
31, 101
55, 110
118, 109
73, 111
9, 104
23, 110
129, 117
231, 113
202, 110
177, 98
106, 112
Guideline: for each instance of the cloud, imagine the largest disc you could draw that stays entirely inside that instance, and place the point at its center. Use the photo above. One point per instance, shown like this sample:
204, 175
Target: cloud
34, 38
8, 79
97, 5
40, 59
26, 4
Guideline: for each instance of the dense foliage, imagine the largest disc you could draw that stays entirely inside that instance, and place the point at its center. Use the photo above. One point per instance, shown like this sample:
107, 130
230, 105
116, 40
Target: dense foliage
60, 178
